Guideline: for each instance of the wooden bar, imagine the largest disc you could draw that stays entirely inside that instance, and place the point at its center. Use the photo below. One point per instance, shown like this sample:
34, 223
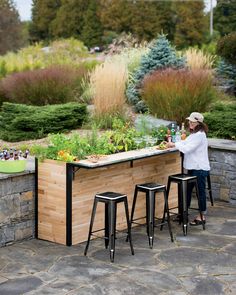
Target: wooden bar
118, 173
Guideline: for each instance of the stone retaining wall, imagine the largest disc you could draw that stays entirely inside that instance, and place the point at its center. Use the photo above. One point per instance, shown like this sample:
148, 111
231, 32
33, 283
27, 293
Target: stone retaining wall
223, 174
16, 207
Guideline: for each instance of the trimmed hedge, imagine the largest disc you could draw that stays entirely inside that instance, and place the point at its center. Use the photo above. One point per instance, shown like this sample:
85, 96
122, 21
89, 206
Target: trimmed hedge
221, 121
22, 122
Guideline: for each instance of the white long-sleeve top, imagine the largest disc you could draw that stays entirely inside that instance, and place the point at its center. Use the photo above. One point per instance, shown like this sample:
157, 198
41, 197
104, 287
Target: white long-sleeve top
195, 149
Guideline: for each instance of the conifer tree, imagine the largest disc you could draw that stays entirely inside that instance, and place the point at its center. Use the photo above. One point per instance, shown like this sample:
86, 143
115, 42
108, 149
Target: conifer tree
69, 19
91, 33
43, 13
160, 56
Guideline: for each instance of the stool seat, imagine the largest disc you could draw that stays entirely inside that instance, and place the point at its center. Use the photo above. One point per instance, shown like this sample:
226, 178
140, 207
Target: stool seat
151, 189
151, 186
110, 196
182, 177
110, 200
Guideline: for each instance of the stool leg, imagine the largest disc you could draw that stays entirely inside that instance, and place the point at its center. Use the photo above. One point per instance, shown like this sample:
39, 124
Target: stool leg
185, 207
151, 217
209, 189
167, 195
147, 213
106, 226
133, 208
200, 212
133, 205
91, 225
128, 226
180, 204
112, 228
168, 215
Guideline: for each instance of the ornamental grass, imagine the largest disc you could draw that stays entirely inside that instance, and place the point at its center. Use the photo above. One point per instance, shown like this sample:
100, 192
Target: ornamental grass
108, 83
197, 59
174, 94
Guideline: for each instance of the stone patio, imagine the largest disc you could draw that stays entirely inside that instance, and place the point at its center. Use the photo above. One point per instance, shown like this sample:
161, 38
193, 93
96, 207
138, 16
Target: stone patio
202, 263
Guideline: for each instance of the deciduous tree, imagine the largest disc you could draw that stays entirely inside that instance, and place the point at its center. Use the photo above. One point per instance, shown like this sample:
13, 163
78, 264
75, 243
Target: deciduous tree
225, 16
10, 27
190, 23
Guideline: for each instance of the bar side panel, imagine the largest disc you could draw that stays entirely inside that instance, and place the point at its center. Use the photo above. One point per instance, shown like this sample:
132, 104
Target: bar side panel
52, 201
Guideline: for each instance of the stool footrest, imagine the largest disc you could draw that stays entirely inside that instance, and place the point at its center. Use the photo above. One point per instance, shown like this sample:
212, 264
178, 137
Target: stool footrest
155, 225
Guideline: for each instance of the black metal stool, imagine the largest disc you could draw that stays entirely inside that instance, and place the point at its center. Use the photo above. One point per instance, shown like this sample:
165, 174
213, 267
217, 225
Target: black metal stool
183, 180
111, 200
209, 189
208, 180
151, 189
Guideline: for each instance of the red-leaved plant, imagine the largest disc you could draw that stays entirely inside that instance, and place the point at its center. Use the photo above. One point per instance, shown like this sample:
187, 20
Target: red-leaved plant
174, 94
53, 85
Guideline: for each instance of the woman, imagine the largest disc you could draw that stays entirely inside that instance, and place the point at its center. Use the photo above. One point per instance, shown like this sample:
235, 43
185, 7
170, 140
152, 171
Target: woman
195, 150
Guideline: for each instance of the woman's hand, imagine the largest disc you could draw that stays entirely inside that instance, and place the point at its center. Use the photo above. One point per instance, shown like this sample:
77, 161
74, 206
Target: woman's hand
170, 144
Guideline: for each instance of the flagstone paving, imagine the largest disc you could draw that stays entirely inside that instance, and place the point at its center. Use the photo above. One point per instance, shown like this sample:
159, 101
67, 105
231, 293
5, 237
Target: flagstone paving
201, 263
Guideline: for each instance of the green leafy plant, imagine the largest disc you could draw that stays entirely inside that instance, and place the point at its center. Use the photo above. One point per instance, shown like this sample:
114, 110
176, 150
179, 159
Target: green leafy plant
123, 136
160, 133
69, 148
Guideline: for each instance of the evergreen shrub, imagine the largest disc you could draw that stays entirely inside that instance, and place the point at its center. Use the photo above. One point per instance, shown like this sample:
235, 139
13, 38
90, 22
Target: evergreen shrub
160, 56
227, 71
221, 121
21, 122
174, 94
53, 85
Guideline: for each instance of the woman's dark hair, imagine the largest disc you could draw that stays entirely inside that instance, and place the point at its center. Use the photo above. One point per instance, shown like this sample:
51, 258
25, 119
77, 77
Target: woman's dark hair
200, 127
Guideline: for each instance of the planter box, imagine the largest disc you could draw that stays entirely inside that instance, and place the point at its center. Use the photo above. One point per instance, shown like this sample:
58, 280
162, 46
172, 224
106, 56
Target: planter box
66, 191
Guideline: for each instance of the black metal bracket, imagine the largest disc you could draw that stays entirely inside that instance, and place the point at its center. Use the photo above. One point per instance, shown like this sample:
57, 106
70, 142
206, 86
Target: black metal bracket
131, 164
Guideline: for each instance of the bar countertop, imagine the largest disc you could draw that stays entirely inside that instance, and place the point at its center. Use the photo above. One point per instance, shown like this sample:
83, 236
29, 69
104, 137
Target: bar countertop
123, 157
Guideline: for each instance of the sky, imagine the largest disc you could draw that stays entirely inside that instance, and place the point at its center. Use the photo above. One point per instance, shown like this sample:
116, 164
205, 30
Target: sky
24, 8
